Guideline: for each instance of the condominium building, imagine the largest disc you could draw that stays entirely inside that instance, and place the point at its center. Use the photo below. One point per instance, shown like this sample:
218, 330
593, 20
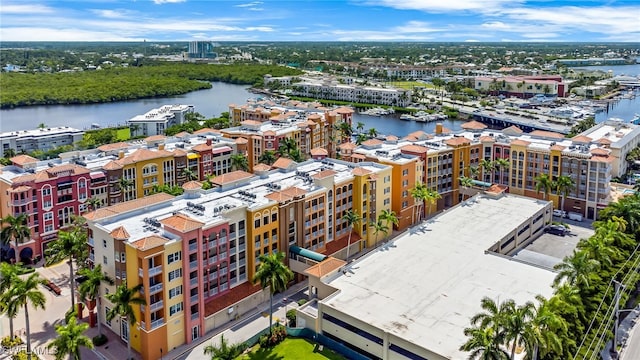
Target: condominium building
217, 236
352, 93
156, 121
522, 86
45, 138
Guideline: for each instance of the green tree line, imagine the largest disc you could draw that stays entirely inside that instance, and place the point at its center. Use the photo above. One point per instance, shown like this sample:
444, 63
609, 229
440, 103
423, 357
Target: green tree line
119, 84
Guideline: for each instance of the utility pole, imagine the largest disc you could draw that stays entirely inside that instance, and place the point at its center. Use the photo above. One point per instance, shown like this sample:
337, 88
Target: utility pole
614, 343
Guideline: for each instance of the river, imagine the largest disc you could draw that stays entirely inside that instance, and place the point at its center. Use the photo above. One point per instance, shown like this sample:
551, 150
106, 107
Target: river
211, 102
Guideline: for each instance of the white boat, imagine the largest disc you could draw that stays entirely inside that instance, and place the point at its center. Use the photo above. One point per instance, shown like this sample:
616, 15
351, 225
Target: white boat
407, 117
636, 119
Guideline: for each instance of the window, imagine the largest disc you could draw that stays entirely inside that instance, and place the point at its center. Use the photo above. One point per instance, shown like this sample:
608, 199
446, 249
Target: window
46, 204
387, 201
256, 223
175, 292
48, 216
106, 311
123, 257
104, 260
405, 172
274, 217
104, 243
175, 309
176, 256
46, 191
177, 273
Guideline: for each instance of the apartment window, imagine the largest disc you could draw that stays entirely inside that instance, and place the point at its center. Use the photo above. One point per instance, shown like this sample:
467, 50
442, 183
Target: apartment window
106, 311
175, 309
177, 273
256, 223
405, 204
405, 193
104, 260
123, 257
48, 216
405, 172
175, 291
48, 228
176, 256
274, 217
47, 204
387, 201
405, 183
104, 243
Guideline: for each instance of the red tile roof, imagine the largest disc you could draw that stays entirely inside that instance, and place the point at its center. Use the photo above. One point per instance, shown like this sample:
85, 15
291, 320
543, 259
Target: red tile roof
473, 125
182, 223
231, 177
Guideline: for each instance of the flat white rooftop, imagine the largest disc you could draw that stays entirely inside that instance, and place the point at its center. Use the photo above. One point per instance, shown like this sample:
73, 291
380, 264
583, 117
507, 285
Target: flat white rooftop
426, 285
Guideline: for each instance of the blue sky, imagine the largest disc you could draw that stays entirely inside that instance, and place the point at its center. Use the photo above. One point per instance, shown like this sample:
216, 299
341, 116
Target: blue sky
324, 20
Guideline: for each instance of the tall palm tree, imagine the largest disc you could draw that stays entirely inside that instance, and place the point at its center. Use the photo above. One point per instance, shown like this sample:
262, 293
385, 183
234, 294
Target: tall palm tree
599, 249
352, 218
544, 185
483, 344
563, 186
487, 167
614, 231
432, 198
379, 227
123, 300
268, 157
493, 316
346, 130
70, 339
9, 153
515, 323
286, 146
502, 164
94, 203
25, 292
541, 334
89, 289
272, 273
124, 184
68, 245
389, 217
239, 162
189, 174
8, 275
466, 182
372, 133
360, 138
360, 126
627, 208
473, 172
224, 351
578, 270
16, 228
419, 193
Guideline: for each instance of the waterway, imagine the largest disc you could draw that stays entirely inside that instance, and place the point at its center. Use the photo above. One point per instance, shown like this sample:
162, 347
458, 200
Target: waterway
212, 102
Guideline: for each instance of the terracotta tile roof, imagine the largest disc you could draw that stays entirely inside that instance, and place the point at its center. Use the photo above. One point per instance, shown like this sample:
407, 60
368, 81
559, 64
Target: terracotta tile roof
155, 138
144, 155
23, 159
201, 147
314, 117
347, 145
177, 152
358, 156
359, 171
520, 142
599, 152
224, 301
604, 141
582, 139
206, 131
149, 242
182, 223
51, 173
344, 110
456, 141
391, 138
372, 142
514, 129
113, 147
241, 140
250, 123
410, 138
269, 132
262, 167
557, 147
324, 173
192, 185
112, 165
418, 134
319, 152
127, 206
326, 267
26, 178
487, 139
602, 158
473, 125
496, 189
21, 188
414, 149
446, 130
279, 196
182, 134
548, 134
282, 163
120, 233
231, 177
295, 191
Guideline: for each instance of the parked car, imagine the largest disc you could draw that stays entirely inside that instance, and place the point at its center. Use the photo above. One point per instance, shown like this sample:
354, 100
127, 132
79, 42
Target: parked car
575, 216
559, 213
556, 230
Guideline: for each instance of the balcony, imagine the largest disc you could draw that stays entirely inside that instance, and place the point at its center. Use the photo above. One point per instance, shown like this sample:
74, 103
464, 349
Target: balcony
222, 255
222, 240
153, 289
213, 276
223, 271
242, 262
157, 323
213, 243
90, 241
241, 232
242, 247
92, 257
193, 247
152, 271
193, 282
193, 264
195, 316
232, 235
194, 299
213, 260
156, 305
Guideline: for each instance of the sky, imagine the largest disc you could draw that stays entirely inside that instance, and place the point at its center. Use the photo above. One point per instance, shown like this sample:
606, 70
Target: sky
323, 20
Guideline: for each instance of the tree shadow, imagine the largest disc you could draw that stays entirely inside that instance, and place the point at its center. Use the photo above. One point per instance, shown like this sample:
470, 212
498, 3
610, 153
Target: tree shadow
264, 354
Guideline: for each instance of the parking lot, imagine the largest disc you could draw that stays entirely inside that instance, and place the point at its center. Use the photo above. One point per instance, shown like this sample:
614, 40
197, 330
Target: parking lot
550, 249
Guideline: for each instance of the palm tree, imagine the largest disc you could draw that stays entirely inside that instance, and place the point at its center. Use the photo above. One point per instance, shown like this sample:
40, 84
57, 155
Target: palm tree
42, 126
379, 227
94, 203
16, 228
9, 153
8, 275
124, 184
352, 218
123, 299
613, 231
599, 249
483, 344
432, 198
239, 162
346, 130
268, 157
473, 172
627, 208
190, 174
69, 340
515, 323
502, 164
578, 270
360, 138
493, 316
563, 185
68, 245
466, 182
272, 273
286, 146
487, 167
360, 126
24, 293
89, 289
541, 333
372, 133
389, 217
419, 193
224, 351
544, 185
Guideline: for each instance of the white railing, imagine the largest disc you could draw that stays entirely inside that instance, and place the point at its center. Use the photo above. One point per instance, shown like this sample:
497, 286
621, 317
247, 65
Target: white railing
155, 270
157, 323
194, 299
156, 305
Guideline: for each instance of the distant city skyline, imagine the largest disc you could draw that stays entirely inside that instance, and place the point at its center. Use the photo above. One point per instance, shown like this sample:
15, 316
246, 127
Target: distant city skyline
326, 20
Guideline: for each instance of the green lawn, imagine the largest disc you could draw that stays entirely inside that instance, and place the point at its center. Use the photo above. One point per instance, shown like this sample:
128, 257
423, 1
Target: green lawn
409, 85
292, 348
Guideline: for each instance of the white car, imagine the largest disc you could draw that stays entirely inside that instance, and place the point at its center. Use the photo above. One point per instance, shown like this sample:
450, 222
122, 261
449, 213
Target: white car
559, 213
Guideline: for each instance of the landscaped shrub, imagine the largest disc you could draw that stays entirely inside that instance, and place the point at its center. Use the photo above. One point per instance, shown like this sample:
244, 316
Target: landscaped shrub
278, 334
7, 342
302, 302
264, 341
99, 340
291, 317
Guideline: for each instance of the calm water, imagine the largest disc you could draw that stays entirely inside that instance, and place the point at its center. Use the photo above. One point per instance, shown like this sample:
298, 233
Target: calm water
632, 70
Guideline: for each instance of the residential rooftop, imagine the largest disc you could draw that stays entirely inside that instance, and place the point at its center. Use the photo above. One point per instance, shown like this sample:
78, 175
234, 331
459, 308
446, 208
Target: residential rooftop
425, 285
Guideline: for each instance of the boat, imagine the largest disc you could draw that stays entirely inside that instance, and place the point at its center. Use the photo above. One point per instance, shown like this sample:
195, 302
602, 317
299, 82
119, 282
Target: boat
636, 119
407, 117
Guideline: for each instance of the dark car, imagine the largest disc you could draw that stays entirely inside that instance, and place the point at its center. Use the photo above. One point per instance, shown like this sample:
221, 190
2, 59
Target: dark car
556, 230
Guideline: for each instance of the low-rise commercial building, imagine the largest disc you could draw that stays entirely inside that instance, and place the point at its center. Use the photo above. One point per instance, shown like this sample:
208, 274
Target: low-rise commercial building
156, 121
45, 138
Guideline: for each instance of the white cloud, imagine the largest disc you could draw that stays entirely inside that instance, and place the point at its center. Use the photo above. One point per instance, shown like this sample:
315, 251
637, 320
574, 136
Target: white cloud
439, 6
496, 25
25, 9
255, 9
112, 14
160, 2
539, 35
415, 27
249, 5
